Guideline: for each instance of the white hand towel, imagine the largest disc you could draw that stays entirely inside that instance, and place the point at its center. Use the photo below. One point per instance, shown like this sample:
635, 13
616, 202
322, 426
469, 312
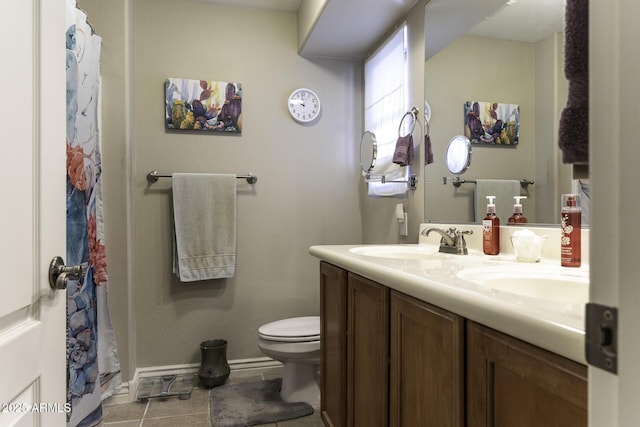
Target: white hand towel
504, 190
391, 171
204, 211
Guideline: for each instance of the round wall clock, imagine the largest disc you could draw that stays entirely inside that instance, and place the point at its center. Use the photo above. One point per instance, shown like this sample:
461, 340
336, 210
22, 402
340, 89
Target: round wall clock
304, 105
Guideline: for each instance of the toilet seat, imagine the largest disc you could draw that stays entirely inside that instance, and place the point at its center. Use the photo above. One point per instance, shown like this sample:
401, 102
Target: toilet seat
297, 329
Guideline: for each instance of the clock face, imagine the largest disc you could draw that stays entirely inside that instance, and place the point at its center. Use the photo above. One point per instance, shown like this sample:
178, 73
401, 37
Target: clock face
304, 105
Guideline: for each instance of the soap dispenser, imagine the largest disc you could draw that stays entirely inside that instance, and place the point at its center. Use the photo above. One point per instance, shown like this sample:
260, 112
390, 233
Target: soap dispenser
570, 225
518, 217
491, 229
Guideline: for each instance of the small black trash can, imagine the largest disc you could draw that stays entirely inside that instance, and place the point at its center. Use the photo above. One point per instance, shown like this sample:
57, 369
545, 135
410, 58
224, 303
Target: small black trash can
214, 369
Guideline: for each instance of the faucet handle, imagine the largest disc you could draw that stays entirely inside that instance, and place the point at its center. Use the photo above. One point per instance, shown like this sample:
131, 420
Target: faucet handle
461, 244
451, 231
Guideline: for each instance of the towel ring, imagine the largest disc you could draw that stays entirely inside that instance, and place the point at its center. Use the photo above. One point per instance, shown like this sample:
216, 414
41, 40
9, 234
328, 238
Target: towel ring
414, 114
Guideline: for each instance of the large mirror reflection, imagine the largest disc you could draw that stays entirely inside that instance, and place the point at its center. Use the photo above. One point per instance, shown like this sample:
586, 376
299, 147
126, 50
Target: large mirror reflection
496, 52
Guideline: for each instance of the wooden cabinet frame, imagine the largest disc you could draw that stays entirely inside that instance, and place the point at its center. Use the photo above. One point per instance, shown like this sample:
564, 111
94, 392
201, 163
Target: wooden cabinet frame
333, 348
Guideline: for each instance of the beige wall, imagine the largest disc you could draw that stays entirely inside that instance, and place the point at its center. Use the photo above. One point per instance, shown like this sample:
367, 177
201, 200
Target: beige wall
480, 69
307, 192
553, 178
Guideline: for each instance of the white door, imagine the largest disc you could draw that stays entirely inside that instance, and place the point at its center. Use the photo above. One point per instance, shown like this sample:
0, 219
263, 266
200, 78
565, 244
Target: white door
32, 212
614, 158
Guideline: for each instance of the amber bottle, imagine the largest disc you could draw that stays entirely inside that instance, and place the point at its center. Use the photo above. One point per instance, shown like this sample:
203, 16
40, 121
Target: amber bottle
570, 229
491, 230
518, 217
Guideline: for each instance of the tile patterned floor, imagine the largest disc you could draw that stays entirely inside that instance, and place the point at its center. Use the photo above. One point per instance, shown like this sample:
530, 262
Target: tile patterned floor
194, 412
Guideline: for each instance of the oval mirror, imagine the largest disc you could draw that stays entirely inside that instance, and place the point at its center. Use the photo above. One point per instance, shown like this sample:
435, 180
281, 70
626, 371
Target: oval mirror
458, 155
368, 151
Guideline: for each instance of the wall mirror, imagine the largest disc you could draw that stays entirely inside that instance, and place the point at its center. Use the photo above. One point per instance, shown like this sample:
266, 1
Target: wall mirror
368, 151
505, 52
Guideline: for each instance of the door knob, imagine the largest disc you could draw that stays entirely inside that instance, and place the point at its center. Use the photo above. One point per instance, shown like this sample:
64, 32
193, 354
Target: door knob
60, 273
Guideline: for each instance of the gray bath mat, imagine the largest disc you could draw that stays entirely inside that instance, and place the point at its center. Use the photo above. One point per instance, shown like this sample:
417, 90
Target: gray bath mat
252, 403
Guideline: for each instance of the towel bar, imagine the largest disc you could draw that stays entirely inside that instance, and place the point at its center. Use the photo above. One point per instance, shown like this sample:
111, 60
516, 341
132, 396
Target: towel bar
154, 175
412, 181
457, 181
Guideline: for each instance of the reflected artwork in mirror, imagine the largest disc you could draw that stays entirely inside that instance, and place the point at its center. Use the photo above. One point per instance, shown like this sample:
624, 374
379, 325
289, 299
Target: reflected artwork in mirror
492, 123
489, 50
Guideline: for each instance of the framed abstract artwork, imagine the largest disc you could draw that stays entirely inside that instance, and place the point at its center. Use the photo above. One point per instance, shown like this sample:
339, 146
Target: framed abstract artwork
492, 123
203, 105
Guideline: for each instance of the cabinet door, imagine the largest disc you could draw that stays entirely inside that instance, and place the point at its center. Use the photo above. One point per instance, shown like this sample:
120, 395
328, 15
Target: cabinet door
367, 353
333, 344
427, 364
513, 383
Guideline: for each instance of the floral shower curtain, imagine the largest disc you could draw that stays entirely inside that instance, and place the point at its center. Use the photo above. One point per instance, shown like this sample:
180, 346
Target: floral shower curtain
93, 368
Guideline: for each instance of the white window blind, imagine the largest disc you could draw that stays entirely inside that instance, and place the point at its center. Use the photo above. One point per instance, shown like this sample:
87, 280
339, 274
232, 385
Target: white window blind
385, 102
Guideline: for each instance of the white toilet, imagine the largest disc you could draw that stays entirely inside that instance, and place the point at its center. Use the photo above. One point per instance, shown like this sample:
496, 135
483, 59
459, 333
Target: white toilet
296, 343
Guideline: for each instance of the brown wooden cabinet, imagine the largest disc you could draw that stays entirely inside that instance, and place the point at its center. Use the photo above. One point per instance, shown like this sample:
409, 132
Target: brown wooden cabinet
368, 330
427, 365
389, 359
512, 383
367, 352
333, 348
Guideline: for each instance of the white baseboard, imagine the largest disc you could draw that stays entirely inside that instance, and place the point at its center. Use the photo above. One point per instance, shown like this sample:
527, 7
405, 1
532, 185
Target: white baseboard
240, 366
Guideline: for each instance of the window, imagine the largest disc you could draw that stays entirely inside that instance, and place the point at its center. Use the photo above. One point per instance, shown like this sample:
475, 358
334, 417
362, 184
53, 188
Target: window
385, 102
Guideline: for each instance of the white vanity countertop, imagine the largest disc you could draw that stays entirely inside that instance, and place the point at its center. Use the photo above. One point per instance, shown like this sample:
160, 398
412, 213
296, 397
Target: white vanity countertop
550, 324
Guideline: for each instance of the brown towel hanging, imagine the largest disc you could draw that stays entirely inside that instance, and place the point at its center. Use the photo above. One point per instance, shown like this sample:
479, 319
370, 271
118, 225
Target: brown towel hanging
573, 133
403, 154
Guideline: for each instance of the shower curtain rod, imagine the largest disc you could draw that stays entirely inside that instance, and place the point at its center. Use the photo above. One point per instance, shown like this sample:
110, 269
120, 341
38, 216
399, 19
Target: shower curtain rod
154, 175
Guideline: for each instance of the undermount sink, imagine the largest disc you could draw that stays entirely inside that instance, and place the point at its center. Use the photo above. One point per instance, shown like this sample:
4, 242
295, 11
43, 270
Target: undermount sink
557, 284
398, 251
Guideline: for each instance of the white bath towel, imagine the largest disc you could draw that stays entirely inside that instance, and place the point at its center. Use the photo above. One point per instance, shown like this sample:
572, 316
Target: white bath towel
204, 213
503, 189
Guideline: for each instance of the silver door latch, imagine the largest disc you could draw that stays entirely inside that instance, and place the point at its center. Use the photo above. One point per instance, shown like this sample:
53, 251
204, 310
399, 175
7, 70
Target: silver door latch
601, 340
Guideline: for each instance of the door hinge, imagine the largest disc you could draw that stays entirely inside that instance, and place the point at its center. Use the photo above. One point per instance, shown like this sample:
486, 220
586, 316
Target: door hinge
601, 340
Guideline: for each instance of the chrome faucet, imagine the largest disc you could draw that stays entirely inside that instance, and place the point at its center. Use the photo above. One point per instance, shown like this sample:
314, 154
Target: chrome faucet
452, 241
